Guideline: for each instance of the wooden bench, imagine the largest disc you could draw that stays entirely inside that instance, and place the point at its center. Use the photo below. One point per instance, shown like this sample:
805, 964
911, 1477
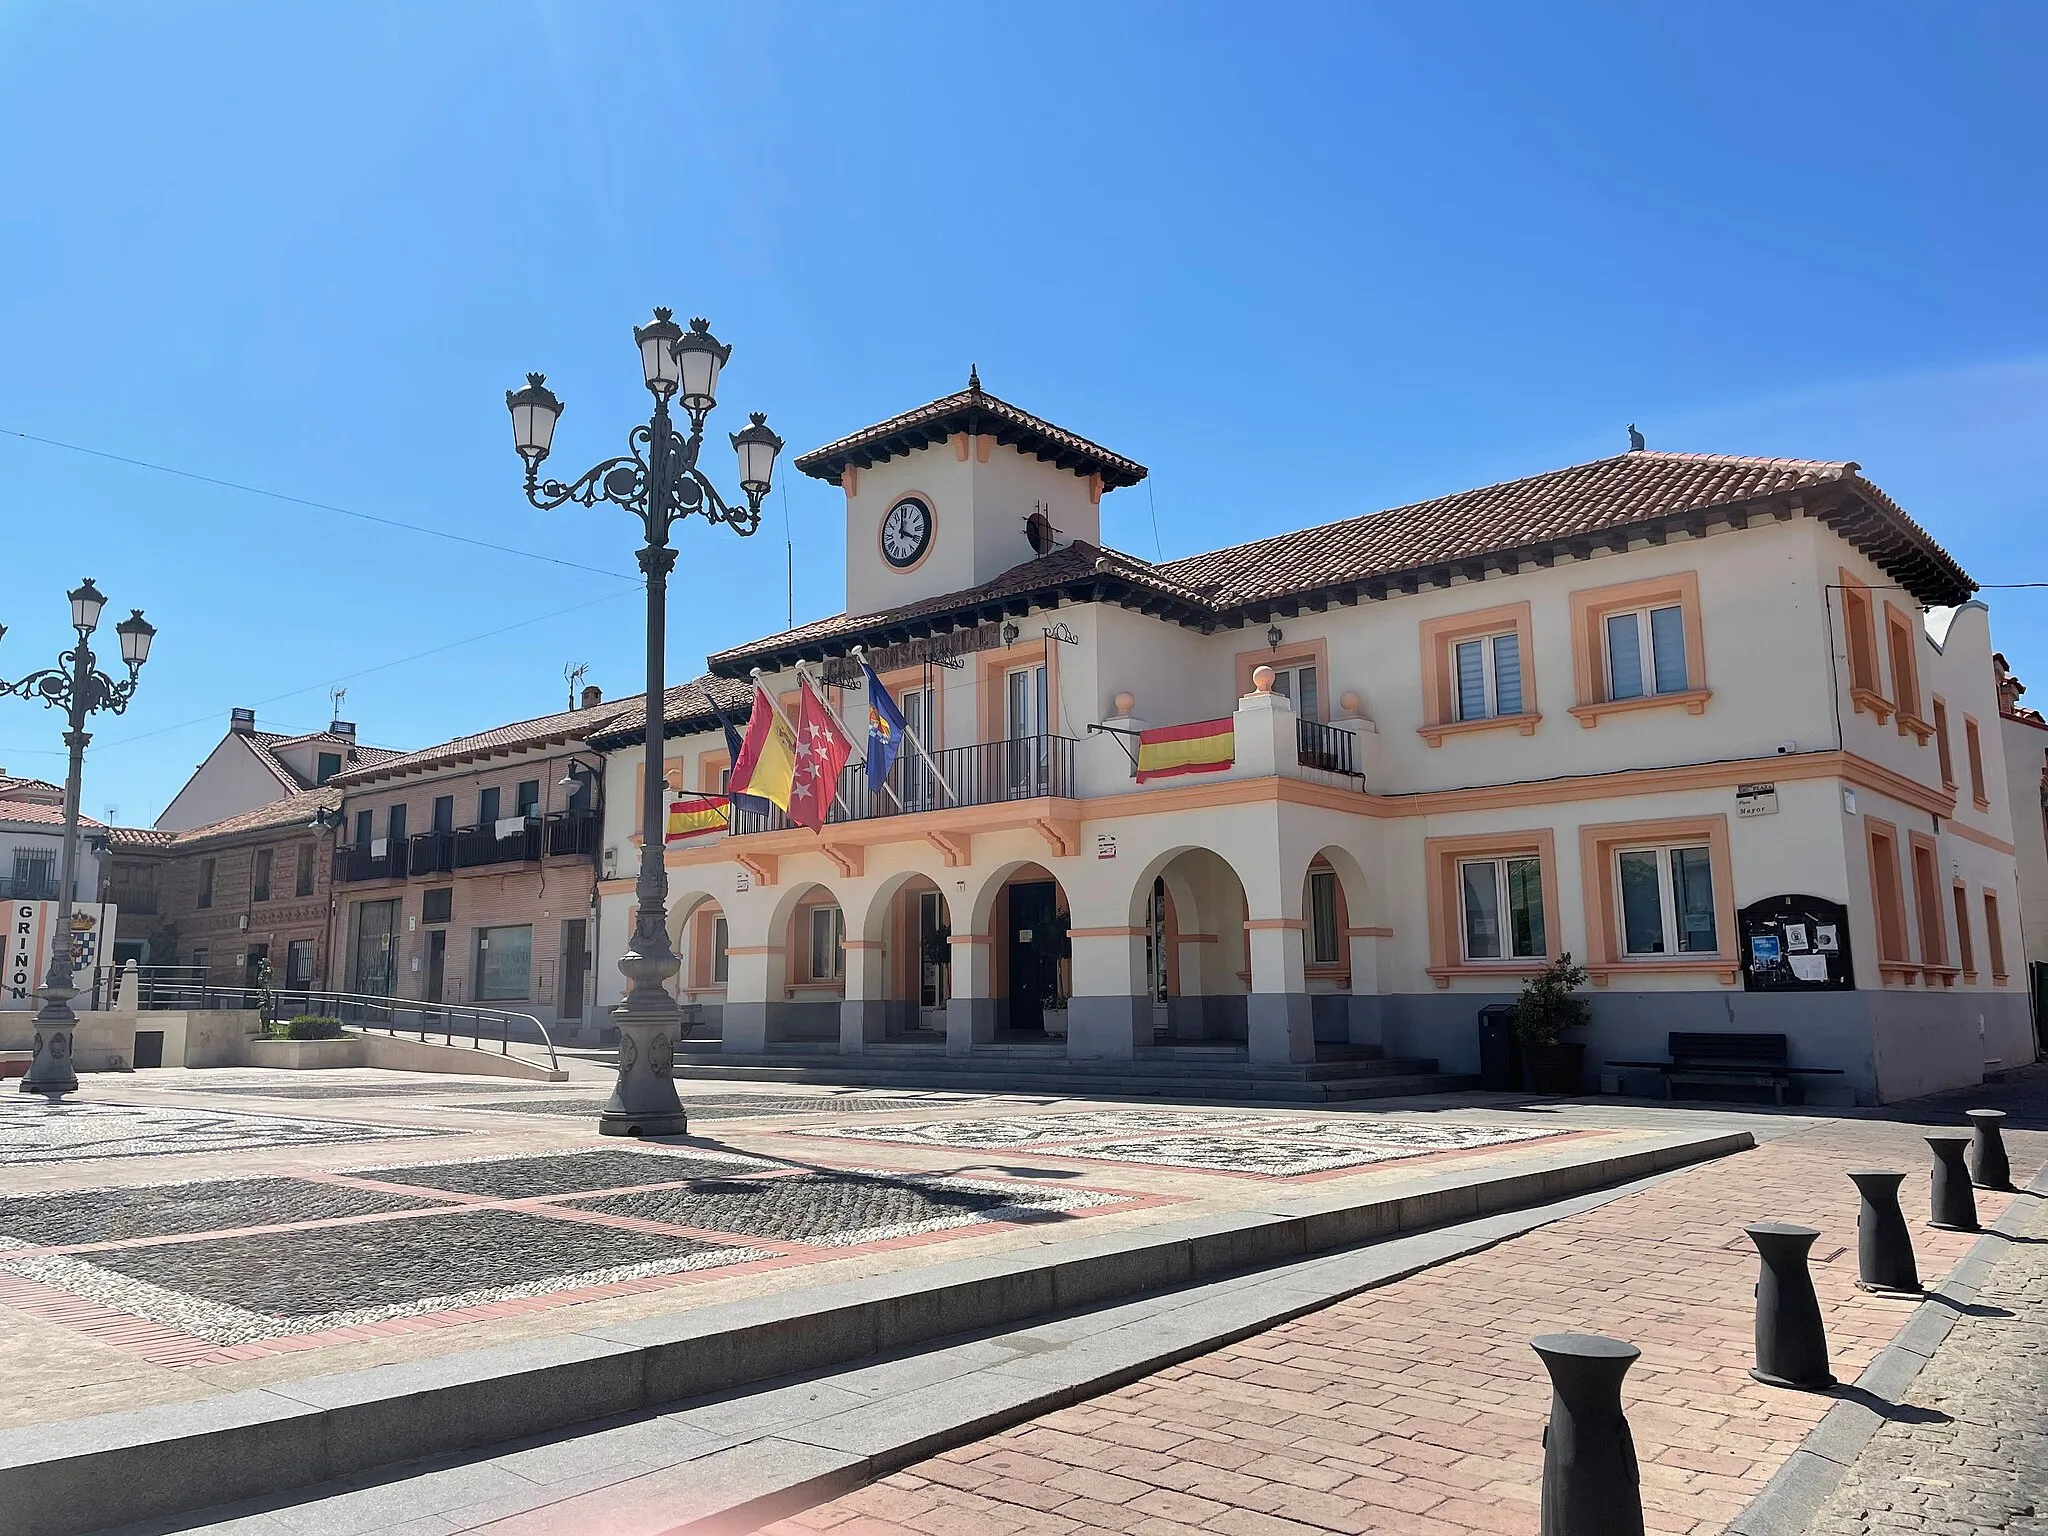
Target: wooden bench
1729, 1060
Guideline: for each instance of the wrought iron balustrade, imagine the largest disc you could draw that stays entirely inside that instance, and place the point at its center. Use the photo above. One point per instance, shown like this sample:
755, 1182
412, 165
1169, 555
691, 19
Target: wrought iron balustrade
359, 861
430, 853
33, 887
987, 773
1328, 747
479, 847
573, 832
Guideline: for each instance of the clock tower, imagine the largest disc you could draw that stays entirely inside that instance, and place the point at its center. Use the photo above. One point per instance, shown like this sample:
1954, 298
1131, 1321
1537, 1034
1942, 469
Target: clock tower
954, 493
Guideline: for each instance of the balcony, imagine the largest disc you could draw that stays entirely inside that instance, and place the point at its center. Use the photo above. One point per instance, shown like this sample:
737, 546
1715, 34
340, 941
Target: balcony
988, 773
572, 833
482, 847
133, 901
1328, 747
355, 862
430, 853
30, 887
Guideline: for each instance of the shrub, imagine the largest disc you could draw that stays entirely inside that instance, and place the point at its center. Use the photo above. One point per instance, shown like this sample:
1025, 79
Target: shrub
307, 1026
1548, 1006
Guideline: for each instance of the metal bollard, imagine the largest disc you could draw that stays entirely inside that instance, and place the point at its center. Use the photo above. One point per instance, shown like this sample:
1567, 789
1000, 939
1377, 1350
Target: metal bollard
1953, 1202
1791, 1345
1988, 1166
1884, 1248
1590, 1482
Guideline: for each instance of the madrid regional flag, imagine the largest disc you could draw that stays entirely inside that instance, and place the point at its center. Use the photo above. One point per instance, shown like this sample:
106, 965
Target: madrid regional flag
822, 748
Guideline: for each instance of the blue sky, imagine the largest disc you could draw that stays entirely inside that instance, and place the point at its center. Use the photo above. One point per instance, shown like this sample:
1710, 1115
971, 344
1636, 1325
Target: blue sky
1303, 261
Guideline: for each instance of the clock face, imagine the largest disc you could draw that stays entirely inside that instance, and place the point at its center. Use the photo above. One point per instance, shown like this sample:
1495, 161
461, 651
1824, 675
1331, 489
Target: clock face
906, 532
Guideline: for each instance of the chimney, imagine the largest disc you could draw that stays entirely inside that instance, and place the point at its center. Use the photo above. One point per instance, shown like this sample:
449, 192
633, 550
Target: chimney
592, 696
346, 729
242, 722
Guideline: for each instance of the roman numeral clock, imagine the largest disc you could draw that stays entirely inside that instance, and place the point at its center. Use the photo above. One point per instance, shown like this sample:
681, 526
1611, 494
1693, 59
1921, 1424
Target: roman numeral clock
906, 532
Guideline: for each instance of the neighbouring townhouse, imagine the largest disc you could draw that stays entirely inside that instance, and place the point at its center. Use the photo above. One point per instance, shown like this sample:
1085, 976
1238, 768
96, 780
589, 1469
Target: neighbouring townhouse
2023, 741
239, 899
466, 871
31, 884
252, 768
1713, 725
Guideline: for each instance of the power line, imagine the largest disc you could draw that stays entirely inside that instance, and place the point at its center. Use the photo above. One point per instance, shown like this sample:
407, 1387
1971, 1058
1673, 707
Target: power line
319, 506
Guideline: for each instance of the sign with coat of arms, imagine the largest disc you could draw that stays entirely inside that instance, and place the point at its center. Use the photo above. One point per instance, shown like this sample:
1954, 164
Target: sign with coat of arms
31, 934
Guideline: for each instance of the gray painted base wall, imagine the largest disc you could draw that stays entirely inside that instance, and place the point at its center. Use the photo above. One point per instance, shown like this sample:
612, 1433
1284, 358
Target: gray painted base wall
1888, 1045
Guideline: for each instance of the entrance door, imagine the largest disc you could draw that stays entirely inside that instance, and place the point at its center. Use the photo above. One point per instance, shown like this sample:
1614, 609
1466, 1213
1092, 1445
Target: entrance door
437, 963
1034, 962
575, 967
935, 961
376, 956
918, 791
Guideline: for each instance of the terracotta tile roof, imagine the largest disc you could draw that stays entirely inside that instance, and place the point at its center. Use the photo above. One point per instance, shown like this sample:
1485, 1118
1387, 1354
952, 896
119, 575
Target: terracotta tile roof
293, 811
12, 788
139, 839
573, 725
1075, 569
38, 813
972, 410
685, 708
1558, 507
265, 744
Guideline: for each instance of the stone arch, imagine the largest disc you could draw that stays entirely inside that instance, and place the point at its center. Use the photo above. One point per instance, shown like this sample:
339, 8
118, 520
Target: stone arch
1340, 949
1190, 906
910, 990
1028, 980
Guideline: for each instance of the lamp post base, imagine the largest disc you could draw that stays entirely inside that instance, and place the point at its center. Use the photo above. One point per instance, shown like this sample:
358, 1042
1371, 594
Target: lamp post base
643, 1101
51, 1072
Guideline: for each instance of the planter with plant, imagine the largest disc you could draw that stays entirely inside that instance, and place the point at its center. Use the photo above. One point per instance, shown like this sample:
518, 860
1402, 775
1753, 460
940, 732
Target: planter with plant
1548, 1007
307, 1026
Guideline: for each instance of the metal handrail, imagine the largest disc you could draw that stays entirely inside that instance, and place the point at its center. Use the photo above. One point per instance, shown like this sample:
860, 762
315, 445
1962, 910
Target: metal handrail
986, 773
163, 992
1328, 747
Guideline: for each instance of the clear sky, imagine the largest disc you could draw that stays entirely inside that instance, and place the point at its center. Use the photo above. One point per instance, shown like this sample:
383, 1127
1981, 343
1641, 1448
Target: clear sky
1303, 261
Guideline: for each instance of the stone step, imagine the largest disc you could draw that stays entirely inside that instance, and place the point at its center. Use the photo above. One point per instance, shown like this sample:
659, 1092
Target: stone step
1249, 1083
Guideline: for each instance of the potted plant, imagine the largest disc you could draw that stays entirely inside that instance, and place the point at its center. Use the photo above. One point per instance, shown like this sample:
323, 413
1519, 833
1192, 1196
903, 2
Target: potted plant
1549, 1005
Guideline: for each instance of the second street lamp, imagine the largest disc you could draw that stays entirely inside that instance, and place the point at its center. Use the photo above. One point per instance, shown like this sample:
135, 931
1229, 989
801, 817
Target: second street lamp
78, 688
658, 481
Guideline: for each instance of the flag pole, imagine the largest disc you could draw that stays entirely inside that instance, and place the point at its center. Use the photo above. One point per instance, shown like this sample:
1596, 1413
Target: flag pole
887, 788
860, 652
776, 705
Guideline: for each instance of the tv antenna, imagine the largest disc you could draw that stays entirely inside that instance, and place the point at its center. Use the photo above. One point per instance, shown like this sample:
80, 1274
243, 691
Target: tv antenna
573, 673
335, 696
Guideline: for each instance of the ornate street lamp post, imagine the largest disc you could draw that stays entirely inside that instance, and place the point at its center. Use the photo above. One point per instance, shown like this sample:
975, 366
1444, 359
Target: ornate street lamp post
658, 481
78, 688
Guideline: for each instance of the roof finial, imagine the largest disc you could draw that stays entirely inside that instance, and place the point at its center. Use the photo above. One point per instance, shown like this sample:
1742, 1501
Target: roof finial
1635, 439
973, 379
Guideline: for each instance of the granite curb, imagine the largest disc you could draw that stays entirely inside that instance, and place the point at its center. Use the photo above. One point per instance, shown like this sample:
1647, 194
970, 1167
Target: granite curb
78, 1476
1791, 1499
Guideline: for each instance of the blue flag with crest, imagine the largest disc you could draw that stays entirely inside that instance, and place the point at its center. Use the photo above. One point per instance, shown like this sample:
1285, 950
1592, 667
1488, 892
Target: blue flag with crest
885, 731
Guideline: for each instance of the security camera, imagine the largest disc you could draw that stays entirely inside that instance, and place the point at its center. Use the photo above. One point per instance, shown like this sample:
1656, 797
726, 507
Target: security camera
1785, 747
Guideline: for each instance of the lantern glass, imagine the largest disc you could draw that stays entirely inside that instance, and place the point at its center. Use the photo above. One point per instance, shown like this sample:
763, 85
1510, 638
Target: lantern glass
656, 342
136, 632
535, 410
699, 355
756, 446
86, 602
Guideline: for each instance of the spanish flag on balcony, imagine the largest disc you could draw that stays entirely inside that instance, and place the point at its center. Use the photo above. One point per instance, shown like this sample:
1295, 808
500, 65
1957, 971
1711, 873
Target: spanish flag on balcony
694, 816
1207, 746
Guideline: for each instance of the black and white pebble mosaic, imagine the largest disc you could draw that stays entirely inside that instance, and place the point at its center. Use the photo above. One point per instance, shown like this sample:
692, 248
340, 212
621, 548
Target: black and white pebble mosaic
32, 1130
731, 1106
563, 1173
165, 1210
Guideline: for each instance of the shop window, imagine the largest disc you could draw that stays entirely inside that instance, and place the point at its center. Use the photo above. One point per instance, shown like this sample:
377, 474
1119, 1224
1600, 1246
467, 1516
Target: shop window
504, 962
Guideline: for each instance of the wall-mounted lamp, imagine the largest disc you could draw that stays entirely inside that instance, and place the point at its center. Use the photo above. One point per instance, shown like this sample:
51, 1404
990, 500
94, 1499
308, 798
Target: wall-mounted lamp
1273, 638
1010, 633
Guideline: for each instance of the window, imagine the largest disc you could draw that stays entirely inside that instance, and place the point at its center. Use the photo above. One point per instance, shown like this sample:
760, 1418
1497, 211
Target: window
1322, 917
1488, 676
1885, 893
1646, 652
202, 962
302, 885
35, 874
444, 813
1966, 947
1667, 901
504, 962
363, 825
1948, 761
1994, 936
1298, 685
327, 766
1905, 673
437, 904
1862, 639
721, 962
487, 802
259, 879
1501, 901
828, 944
1026, 702
394, 826
526, 799
1927, 902
298, 963
205, 882
1973, 751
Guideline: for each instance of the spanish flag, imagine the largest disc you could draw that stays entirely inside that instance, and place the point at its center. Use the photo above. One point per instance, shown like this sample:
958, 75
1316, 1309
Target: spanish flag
1207, 746
767, 759
692, 816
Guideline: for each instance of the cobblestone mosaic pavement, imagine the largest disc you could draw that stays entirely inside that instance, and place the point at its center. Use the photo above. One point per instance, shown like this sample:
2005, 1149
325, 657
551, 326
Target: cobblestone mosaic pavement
1213, 1142
350, 1090
1967, 1452
235, 1289
836, 1209
32, 1130
164, 1210
562, 1173
733, 1106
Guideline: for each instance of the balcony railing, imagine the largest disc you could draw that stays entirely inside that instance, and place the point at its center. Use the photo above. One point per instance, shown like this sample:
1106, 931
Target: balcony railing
359, 861
36, 887
573, 832
430, 853
988, 773
1328, 747
140, 902
478, 847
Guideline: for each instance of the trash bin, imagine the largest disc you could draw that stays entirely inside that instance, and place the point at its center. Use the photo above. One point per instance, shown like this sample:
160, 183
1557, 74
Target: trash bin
1497, 1048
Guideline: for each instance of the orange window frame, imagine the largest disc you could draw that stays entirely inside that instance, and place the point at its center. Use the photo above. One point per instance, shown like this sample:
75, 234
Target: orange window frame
1598, 845
1887, 894
1591, 607
1439, 635
1859, 626
1900, 640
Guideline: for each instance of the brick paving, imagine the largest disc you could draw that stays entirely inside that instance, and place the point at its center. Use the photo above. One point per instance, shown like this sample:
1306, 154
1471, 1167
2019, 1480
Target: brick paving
1967, 1452
1418, 1408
